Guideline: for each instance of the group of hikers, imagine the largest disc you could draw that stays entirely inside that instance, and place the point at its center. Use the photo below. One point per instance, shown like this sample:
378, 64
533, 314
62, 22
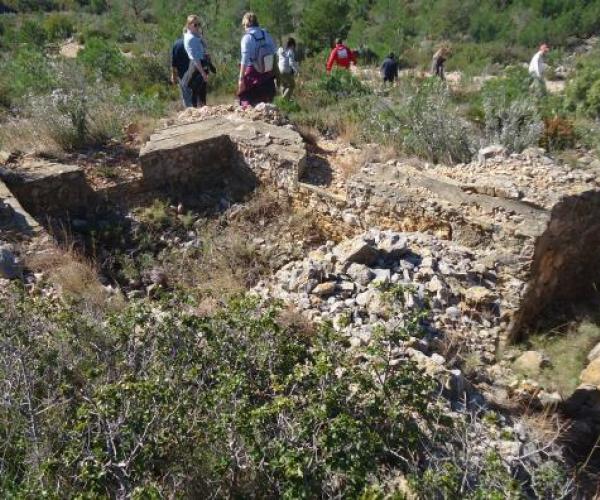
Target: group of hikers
264, 68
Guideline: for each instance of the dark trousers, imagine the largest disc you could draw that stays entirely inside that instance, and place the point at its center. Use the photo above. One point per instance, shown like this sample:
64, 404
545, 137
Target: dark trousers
199, 95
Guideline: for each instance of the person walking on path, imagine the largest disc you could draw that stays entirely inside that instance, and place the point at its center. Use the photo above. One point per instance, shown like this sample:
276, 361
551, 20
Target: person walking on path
439, 58
196, 76
341, 56
288, 68
180, 62
257, 76
537, 67
389, 69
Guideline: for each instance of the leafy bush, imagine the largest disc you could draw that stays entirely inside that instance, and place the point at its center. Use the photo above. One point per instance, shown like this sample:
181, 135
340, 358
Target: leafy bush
79, 113
512, 116
27, 72
31, 34
105, 57
58, 26
516, 125
339, 85
433, 132
235, 403
583, 91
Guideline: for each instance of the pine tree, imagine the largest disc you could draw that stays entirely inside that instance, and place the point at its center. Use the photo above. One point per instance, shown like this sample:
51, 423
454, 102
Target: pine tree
324, 21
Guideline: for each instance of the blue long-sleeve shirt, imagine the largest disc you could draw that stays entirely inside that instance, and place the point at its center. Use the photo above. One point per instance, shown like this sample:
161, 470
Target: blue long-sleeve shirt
194, 46
251, 42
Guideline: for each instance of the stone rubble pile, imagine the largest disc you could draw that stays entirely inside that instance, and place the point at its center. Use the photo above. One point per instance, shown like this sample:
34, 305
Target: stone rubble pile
383, 278
396, 280
530, 176
268, 113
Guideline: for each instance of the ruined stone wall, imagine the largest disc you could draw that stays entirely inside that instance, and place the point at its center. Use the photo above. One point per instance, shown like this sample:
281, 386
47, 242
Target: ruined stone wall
565, 266
234, 154
45, 188
533, 221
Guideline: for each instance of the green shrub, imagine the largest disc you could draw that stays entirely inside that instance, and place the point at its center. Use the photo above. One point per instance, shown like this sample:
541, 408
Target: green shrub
102, 56
339, 85
432, 133
234, 402
98, 6
78, 113
512, 116
26, 72
583, 91
31, 34
58, 26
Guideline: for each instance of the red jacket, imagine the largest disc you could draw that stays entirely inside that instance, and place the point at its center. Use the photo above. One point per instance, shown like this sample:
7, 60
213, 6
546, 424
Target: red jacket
342, 56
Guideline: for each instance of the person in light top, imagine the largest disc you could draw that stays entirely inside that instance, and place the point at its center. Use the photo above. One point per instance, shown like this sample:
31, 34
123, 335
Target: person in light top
537, 67
288, 68
257, 77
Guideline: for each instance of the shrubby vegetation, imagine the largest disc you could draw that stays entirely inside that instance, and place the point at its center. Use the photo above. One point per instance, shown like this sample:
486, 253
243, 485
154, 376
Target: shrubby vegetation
127, 46
240, 403
157, 399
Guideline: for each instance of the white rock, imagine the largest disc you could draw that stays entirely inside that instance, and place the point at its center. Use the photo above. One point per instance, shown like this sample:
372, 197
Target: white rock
594, 353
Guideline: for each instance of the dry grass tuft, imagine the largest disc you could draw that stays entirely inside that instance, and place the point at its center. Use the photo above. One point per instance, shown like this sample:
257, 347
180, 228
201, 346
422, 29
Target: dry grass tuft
309, 134
24, 135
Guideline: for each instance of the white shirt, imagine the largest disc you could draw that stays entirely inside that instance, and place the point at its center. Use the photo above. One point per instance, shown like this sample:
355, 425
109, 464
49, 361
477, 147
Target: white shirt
287, 60
536, 66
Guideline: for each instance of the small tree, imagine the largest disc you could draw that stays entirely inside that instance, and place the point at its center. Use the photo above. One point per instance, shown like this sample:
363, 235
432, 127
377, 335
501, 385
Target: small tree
323, 22
275, 15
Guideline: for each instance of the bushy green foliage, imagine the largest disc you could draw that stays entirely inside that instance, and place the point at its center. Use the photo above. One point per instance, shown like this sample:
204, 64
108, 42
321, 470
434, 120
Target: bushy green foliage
79, 113
583, 91
451, 480
512, 116
418, 120
58, 26
164, 401
324, 21
340, 84
105, 57
27, 72
431, 132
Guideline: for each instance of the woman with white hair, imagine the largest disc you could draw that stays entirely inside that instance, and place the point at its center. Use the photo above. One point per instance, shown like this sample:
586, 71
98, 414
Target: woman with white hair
257, 78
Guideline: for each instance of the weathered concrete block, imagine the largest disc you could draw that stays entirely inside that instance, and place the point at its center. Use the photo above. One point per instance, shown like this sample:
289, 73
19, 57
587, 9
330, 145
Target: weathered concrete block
225, 153
47, 188
13, 216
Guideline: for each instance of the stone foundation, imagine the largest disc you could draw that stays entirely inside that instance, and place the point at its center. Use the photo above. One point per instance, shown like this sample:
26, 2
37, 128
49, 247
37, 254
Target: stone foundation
45, 188
232, 155
13, 217
536, 223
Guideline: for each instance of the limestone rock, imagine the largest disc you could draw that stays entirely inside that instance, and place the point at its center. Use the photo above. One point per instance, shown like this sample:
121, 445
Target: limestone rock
357, 251
594, 353
382, 276
491, 151
591, 375
360, 273
323, 289
393, 246
530, 362
478, 295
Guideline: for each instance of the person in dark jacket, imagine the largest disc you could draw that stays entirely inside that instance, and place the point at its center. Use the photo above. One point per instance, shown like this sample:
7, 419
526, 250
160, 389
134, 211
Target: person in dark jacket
180, 63
389, 69
439, 58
